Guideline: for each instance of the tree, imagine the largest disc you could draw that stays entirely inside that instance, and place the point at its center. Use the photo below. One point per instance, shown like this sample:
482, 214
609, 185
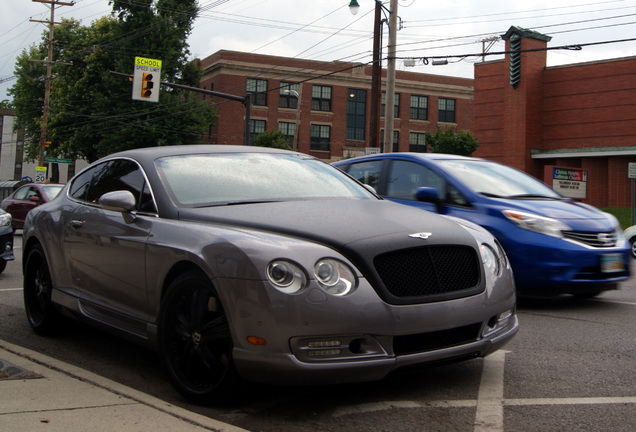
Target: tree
447, 141
273, 138
92, 113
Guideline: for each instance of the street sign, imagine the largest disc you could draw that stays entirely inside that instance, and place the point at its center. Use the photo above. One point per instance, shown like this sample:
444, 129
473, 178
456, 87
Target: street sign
58, 160
40, 174
146, 79
631, 170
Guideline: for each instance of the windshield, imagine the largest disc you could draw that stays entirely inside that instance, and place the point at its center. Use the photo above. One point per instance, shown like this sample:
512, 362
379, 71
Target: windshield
52, 191
235, 178
497, 180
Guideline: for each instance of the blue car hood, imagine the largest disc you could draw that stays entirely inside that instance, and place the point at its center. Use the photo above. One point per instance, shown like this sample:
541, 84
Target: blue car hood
573, 213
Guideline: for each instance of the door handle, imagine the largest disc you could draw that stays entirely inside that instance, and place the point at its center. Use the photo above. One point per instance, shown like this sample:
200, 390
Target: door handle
77, 223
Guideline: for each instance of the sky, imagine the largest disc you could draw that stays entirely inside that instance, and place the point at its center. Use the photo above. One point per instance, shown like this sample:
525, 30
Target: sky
326, 30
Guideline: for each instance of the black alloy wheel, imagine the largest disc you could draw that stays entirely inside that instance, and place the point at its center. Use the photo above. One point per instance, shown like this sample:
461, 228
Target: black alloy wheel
195, 343
37, 289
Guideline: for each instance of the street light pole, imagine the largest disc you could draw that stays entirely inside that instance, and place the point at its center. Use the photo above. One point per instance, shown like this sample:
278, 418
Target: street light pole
297, 94
389, 116
376, 73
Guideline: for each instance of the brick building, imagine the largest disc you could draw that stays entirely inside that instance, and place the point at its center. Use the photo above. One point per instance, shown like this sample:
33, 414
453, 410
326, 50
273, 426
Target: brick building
334, 102
580, 116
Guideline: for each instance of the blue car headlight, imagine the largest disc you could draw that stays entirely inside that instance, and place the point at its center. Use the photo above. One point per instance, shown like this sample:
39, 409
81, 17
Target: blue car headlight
536, 223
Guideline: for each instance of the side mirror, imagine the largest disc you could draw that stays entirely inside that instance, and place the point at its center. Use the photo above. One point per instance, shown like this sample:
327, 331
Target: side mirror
430, 194
119, 201
371, 189
35, 199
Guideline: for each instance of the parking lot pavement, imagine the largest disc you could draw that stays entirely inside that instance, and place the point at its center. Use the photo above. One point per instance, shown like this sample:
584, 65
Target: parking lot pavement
41, 393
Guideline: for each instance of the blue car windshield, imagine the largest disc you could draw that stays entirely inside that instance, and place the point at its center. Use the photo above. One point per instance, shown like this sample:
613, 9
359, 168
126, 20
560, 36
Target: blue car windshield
497, 180
237, 178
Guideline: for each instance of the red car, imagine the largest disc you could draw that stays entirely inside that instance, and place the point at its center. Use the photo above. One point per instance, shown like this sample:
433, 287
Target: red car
27, 197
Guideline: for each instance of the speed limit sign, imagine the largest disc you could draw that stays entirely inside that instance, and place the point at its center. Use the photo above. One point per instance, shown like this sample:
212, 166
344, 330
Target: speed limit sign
40, 174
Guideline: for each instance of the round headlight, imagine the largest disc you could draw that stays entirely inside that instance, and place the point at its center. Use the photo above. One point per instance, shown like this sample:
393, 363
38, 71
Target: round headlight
334, 277
490, 259
286, 277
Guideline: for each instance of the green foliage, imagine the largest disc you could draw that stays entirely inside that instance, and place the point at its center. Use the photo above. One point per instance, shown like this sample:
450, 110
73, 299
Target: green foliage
92, 113
447, 141
273, 138
623, 214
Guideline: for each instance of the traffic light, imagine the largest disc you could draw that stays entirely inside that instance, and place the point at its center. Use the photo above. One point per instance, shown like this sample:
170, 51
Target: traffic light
147, 85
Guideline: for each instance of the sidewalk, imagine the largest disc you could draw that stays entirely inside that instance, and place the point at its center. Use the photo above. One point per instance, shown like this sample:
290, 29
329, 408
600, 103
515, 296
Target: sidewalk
39, 393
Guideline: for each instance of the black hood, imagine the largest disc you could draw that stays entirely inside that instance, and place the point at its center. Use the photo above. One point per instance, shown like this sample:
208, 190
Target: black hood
342, 224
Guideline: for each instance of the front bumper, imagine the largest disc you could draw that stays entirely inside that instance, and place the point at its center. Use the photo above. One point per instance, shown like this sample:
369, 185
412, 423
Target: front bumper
318, 339
6, 246
550, 266
287, 368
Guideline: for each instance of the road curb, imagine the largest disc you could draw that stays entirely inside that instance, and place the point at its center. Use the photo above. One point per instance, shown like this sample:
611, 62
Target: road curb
74, 372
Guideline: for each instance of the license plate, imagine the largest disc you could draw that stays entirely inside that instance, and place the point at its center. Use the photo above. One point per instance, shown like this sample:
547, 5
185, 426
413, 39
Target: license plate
611, 263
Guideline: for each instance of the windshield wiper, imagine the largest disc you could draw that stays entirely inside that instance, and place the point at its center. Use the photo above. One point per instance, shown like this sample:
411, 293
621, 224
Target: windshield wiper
536, 196
492, 195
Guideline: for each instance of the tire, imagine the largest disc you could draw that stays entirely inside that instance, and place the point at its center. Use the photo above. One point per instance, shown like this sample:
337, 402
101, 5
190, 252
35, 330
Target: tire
3, 265
632, 241
194, 340
37, 289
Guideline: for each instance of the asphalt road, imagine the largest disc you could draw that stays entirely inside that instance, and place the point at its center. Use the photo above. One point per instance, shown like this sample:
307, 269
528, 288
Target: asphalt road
572, 367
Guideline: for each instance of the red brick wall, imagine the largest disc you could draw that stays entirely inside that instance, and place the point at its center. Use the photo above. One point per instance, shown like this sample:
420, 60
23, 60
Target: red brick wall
227, 71
590, 105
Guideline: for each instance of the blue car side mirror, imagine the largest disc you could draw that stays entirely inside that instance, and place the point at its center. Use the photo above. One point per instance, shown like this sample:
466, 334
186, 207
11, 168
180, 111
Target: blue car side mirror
430, 194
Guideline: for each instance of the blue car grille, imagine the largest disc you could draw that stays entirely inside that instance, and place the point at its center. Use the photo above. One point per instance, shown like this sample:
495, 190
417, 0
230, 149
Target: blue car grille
427, 274
597, 240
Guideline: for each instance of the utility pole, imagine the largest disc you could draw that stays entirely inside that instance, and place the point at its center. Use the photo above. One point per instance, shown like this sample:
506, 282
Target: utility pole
49, 63
484, 49
390, 79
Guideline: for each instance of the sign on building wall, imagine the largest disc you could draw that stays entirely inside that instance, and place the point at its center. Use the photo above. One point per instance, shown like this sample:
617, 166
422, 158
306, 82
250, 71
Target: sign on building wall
570, 182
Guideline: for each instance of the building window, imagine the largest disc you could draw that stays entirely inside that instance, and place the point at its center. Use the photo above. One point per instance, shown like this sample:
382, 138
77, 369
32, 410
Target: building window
446, 110
396, 105
257, 127
417, 142
356, 114
419, 107
289, 93
320, 137
288, 129
321, 98
396, 140
258, 88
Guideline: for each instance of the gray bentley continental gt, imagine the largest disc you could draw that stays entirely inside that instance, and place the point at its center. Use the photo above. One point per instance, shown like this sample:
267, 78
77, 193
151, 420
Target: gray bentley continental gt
248, 263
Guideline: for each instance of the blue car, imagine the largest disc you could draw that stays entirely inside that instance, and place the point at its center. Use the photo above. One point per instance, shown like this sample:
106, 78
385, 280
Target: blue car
556, 245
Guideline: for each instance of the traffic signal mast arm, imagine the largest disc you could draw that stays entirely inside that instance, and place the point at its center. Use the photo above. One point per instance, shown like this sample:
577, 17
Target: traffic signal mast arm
245, 100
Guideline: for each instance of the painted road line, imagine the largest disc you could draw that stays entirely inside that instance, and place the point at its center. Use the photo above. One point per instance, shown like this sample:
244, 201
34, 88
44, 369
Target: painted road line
489, 416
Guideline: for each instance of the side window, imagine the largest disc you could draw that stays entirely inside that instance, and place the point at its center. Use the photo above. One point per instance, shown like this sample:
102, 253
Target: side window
21, 193
366, 172
119, 174
455, 197
405, 177
33, 192
80, 185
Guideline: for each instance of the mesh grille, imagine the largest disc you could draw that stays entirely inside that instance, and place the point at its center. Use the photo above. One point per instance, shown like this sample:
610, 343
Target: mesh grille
428, 271
423, 342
